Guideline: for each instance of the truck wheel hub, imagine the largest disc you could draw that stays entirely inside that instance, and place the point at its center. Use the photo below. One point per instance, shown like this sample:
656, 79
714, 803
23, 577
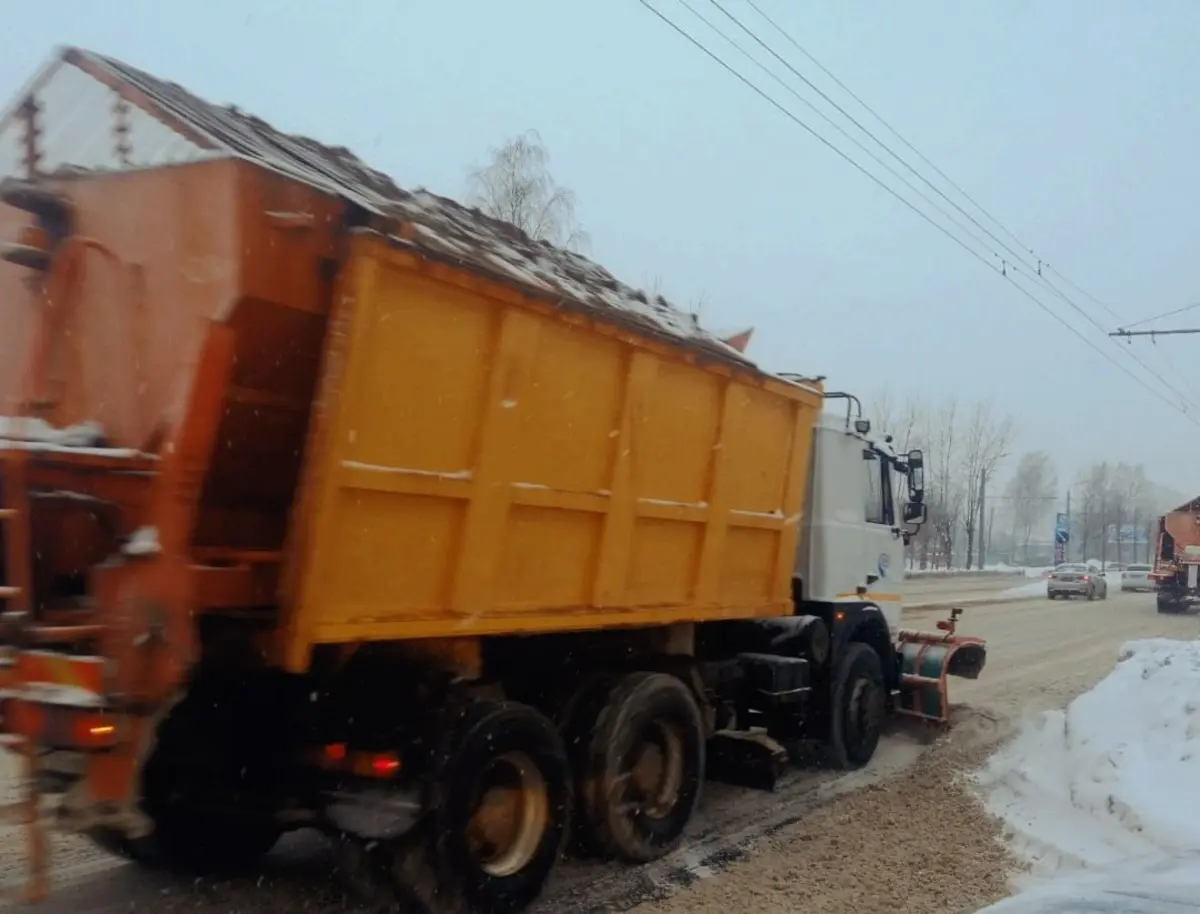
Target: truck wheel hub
511, 818
657, 771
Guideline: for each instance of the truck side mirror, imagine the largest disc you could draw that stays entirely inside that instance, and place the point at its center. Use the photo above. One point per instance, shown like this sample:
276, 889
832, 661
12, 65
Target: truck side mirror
914, 513
916, 475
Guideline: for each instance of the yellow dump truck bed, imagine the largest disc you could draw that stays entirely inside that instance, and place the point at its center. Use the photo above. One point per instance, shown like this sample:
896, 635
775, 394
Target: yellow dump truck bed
485, 462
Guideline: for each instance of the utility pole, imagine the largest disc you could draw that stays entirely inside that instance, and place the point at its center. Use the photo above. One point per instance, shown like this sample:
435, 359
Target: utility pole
982, 515
1136, 533
1067, 550
1103, 535
991, 523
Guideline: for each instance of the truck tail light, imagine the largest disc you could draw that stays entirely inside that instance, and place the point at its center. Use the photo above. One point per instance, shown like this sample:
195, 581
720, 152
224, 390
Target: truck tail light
338, 757
95, 732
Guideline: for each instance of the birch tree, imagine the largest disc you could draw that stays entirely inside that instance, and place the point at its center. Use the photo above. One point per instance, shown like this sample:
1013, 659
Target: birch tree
516, 186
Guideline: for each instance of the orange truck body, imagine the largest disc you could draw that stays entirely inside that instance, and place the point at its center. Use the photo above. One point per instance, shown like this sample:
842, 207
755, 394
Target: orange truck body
323, 503
1176, 573
482, 462
330, 415
1183, 527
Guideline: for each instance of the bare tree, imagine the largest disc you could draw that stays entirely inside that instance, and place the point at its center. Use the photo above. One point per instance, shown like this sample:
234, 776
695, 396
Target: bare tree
985, 443
1030, 492
907, 423
1131, 506
516, 186
653, 287
903, 419
1095, 492
946, 496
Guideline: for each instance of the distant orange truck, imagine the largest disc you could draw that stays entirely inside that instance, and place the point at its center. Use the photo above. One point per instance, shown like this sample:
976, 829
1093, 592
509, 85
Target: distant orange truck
1176, 573
326, 504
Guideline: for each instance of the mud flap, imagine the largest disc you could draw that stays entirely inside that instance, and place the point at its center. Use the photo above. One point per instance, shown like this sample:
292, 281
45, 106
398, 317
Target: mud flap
926, 660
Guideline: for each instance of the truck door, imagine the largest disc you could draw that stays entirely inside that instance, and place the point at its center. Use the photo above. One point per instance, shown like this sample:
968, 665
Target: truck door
883, 560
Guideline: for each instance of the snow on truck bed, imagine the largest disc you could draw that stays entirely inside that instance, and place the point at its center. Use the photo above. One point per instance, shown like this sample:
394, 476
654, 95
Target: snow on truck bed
440, 227
1103, 799
32, 434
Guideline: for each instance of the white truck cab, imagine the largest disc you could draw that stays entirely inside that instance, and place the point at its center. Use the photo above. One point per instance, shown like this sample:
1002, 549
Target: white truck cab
852, 542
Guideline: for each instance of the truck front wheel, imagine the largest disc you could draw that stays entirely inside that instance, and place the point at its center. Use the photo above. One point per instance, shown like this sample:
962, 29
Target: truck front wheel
639, 765
859, 703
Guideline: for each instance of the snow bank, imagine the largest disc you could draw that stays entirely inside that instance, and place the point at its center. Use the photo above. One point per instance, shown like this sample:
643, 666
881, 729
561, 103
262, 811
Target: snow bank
913, 570
1021, 591
1103, 796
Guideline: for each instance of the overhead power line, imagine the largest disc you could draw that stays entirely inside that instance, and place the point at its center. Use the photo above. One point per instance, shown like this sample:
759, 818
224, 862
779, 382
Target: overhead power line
1177, 331
1158, 317
1018, 256
1005, 268
1025, 255
875, 114
1086, 294
843, 131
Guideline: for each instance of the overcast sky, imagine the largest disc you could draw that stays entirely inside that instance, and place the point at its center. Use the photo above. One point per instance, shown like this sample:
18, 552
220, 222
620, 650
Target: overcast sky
1072, 122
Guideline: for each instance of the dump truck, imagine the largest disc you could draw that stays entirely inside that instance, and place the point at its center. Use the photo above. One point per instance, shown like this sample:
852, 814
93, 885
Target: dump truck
1176, 572
327, 504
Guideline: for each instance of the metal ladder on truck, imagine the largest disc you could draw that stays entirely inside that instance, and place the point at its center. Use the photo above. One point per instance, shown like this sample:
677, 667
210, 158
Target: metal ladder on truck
15, 619
33, 251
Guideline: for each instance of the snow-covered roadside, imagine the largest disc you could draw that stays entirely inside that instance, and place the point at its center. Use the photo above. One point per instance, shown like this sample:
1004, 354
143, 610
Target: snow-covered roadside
1101, 799
916, 572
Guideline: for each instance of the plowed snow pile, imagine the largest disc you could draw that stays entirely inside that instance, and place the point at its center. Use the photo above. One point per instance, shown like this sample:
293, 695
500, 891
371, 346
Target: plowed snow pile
1103, 799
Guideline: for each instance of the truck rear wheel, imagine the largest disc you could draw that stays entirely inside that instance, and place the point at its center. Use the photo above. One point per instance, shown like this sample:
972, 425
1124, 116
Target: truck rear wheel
191, 790
1168, 604
192, 841
193, 834
500, 801
639, 766
859, 703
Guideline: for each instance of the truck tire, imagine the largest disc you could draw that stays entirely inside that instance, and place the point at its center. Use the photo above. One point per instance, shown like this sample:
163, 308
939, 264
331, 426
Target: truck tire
499, 803
859, 703
193, 845
193, 833
193, 836
639, 766
112, 842
1169, 605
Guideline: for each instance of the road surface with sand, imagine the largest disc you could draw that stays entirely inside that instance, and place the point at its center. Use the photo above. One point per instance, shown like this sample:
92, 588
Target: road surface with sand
902, 835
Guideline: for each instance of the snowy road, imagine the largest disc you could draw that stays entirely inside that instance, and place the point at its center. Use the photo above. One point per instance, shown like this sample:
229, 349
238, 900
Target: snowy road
918, 842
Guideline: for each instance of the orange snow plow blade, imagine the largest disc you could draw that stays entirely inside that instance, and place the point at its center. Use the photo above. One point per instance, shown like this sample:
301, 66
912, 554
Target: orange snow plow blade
927, 659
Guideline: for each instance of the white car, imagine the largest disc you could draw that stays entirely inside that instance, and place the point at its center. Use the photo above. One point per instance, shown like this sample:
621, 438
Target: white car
1137, 577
